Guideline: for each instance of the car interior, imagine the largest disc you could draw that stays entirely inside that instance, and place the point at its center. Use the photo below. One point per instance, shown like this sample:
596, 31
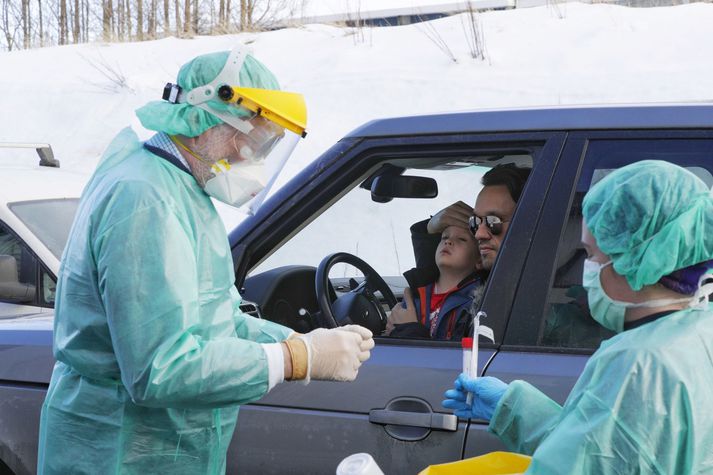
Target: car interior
17, 270
346, 265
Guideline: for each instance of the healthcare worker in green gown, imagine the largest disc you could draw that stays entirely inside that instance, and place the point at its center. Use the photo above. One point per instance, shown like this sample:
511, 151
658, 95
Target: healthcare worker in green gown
642, 404
153, 353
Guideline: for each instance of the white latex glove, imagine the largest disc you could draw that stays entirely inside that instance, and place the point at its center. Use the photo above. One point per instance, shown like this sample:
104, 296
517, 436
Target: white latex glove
336, 354
367, 339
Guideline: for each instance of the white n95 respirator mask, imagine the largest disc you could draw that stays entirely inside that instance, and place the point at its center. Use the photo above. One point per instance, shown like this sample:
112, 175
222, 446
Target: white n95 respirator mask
236, 184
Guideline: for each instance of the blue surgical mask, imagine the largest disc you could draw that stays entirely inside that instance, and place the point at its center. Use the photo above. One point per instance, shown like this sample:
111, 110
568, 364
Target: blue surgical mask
608, 312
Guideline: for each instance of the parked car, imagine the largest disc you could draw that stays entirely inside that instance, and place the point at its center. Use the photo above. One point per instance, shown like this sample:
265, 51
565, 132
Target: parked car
353, 206
37, 206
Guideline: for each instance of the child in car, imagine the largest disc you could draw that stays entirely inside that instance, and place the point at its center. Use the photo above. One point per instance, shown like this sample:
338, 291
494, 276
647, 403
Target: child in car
438, 307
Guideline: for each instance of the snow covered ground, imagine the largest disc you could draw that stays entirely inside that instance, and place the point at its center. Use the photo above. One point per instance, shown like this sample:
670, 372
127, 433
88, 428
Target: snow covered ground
576, 54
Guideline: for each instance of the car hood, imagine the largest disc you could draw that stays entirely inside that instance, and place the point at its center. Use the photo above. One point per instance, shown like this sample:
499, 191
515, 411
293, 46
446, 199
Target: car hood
26, 347
40, 318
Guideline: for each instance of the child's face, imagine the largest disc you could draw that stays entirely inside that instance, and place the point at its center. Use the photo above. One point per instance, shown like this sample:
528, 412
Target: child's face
457, 251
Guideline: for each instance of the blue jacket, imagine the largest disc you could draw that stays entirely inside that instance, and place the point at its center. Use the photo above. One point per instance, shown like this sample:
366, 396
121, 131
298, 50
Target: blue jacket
454, 318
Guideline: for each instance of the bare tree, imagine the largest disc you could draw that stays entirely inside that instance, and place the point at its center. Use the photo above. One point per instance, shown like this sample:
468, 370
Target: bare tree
63, 22
83, 21
260, 14
221, 16
187, 17
127, 20
76, 24
107, 12
118, 20
243, 15
41, 26
166, 18
140, 20
251, 10
152, 20
177, 12
8, 24
26, 22
227, 15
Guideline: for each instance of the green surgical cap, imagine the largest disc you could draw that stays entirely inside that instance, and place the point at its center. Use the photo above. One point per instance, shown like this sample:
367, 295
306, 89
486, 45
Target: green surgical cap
188, 120
651, 218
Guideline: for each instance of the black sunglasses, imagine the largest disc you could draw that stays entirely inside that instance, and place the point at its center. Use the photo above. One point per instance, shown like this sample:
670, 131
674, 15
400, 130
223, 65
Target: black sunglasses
494, 224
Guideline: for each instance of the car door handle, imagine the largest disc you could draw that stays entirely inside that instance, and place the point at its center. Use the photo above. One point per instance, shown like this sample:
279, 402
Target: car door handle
430, 420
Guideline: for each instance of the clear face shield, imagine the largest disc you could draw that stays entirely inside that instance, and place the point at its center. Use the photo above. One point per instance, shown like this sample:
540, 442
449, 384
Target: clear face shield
265, 127
250, 163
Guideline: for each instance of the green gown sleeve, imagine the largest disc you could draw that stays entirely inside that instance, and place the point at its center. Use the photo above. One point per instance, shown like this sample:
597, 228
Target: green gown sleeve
168, 335
256, 329
524, 417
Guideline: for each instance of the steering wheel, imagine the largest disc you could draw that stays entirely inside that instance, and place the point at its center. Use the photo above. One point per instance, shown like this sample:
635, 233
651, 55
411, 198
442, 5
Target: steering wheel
359, 305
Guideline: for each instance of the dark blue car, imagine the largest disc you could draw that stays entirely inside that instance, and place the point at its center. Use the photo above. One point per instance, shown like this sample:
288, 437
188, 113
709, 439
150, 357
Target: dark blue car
330, 246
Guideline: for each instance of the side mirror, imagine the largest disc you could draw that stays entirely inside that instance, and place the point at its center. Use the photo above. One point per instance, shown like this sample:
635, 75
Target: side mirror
386, 187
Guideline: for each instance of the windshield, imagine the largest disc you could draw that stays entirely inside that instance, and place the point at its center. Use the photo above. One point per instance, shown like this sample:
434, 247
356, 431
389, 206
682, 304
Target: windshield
49, 220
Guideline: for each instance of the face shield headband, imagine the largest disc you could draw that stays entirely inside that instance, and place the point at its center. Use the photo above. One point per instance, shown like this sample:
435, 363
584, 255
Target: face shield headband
286, 109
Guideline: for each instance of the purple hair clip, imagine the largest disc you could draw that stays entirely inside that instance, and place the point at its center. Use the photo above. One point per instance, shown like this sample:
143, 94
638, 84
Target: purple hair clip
685, 281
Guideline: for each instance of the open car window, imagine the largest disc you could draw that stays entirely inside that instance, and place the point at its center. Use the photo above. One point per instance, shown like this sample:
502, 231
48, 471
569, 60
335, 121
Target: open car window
376, 232
373, 228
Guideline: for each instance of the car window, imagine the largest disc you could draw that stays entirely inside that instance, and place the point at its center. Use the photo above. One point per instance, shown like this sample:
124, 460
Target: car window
49, 220
378, 231
18, 270
48, 290
566, 322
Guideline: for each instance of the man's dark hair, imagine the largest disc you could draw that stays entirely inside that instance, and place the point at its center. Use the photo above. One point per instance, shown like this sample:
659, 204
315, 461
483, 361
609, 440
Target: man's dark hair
509, 175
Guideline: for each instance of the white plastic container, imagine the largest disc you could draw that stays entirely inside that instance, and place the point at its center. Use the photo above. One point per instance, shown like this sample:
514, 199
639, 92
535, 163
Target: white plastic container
359, 464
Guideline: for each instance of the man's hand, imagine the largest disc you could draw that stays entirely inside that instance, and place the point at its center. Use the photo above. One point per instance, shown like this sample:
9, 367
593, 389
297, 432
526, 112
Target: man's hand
399, 314
456, 214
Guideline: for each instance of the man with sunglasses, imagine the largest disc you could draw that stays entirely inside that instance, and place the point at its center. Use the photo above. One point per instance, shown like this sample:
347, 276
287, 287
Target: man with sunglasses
489, 220
154, 355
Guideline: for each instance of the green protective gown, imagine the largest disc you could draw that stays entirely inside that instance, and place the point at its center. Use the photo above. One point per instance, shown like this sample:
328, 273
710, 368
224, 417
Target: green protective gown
153, 353
642, 405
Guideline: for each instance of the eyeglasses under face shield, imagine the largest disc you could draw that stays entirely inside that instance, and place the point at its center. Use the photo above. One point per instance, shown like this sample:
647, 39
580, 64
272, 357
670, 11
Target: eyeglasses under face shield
257, 144
494, 224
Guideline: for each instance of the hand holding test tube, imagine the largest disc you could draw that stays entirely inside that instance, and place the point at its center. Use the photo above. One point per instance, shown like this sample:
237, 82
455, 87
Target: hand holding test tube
472, 369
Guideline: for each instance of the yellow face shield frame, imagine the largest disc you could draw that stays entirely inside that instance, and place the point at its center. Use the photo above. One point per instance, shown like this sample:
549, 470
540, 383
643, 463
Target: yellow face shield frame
286, 109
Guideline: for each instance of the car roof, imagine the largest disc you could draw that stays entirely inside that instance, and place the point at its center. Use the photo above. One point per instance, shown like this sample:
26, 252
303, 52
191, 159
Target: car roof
644, 116
25, 183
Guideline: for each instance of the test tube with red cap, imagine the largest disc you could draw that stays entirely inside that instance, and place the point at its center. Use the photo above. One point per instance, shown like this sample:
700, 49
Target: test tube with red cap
470, 363
467, 345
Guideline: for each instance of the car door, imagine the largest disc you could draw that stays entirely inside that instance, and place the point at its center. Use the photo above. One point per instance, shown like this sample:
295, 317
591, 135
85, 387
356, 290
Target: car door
392, 410
550, 334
